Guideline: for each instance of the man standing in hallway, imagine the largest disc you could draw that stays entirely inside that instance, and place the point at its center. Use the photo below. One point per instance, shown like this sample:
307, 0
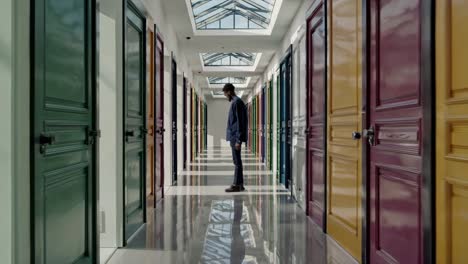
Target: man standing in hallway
236, 133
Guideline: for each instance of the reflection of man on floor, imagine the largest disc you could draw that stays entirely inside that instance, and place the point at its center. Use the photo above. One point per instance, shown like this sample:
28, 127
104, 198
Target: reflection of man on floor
236, 133
237, 243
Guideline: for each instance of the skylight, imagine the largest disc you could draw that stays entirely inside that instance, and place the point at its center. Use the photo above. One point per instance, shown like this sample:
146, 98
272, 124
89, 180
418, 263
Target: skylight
232, 14
220, 94
224, 80
229, 59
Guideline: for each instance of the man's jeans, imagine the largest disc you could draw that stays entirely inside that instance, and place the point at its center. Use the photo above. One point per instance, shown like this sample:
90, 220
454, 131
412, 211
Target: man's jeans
239, 172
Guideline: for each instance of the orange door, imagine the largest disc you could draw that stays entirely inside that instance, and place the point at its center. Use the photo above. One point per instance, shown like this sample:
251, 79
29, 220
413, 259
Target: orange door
344, 117
150, 121
452, 131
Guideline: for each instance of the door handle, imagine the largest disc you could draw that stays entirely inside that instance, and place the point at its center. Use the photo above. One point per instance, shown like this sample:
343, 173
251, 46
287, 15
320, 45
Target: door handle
356, 135
130, 133
44, 141
144, 130
370, 135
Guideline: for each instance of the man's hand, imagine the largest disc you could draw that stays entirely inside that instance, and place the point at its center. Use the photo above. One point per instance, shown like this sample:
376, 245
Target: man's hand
238, 146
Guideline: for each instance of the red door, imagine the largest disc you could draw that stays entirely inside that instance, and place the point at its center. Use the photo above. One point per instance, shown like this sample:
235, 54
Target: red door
316, 116
159, 88
395, 133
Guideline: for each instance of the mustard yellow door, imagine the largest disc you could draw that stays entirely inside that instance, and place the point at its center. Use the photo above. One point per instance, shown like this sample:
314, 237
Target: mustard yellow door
344, 117
452, 131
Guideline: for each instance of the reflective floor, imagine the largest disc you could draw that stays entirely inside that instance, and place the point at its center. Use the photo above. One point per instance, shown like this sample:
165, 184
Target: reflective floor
197, 222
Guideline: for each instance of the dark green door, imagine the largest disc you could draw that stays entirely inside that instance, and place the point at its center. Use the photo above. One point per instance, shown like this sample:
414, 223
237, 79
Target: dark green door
63, 173
134, 121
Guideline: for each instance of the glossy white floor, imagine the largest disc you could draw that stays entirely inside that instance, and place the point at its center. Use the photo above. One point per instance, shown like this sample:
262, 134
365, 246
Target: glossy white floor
197, 222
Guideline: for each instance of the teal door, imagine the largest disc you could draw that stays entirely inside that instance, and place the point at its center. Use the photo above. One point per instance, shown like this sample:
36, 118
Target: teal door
134, 121
63, 180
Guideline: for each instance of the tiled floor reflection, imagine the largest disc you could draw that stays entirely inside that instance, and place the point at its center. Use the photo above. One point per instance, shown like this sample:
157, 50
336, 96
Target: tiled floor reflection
197, 222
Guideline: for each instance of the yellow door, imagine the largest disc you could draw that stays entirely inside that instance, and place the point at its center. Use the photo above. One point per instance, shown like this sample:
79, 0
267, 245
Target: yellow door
344, 117
452, 131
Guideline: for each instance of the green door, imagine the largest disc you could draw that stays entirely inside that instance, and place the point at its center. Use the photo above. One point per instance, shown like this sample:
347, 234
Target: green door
134, 121
62, 95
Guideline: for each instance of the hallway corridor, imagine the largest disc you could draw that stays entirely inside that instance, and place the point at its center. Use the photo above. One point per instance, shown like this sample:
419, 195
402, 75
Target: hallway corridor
197, 222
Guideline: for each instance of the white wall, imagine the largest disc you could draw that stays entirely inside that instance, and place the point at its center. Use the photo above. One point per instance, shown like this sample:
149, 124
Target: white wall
14, 137
109, 145
217, 119
6, 147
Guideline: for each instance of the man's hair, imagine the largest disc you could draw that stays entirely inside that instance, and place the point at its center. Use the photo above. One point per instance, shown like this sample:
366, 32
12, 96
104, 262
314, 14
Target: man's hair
228, 87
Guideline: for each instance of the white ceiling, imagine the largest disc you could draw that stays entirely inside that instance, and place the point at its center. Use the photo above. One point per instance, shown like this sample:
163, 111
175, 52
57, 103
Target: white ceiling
177, 14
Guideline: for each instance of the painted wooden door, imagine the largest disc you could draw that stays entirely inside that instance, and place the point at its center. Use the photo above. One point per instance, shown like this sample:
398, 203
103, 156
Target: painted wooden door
63, 182
159, 89
286, 137
270, 124
395, 133
316, 141
263, 123
196, 125
184, 114
150, 115
278, 126
134, 120
344, 106
174, 119
206, 125
452, 131
254, 132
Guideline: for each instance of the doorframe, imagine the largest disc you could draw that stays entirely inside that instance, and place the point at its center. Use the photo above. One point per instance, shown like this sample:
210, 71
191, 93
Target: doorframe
427, 87
311, 12
127, 4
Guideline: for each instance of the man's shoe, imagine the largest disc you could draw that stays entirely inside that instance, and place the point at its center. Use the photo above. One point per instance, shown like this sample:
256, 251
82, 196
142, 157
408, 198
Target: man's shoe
235, 188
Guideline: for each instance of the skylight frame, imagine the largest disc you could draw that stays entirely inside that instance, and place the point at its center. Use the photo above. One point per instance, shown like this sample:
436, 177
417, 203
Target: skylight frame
220, 94
246, 57
221, 85
230, 68
260, 30
256, 14
229, 79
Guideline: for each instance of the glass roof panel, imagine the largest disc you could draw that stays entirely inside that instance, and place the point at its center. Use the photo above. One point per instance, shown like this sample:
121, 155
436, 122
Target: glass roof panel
229, 59
232, 14
224, 80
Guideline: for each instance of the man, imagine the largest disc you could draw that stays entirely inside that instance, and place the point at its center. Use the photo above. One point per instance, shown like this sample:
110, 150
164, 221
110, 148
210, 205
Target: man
236, 133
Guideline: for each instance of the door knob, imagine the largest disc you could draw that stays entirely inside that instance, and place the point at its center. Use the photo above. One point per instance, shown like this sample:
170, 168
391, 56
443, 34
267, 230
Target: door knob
370, 135
356, 135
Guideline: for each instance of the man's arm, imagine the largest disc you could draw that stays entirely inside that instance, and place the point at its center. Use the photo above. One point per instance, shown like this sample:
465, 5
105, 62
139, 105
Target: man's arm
240, 123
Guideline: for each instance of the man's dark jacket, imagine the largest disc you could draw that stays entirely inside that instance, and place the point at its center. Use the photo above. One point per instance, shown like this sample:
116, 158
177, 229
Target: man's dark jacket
236, 131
